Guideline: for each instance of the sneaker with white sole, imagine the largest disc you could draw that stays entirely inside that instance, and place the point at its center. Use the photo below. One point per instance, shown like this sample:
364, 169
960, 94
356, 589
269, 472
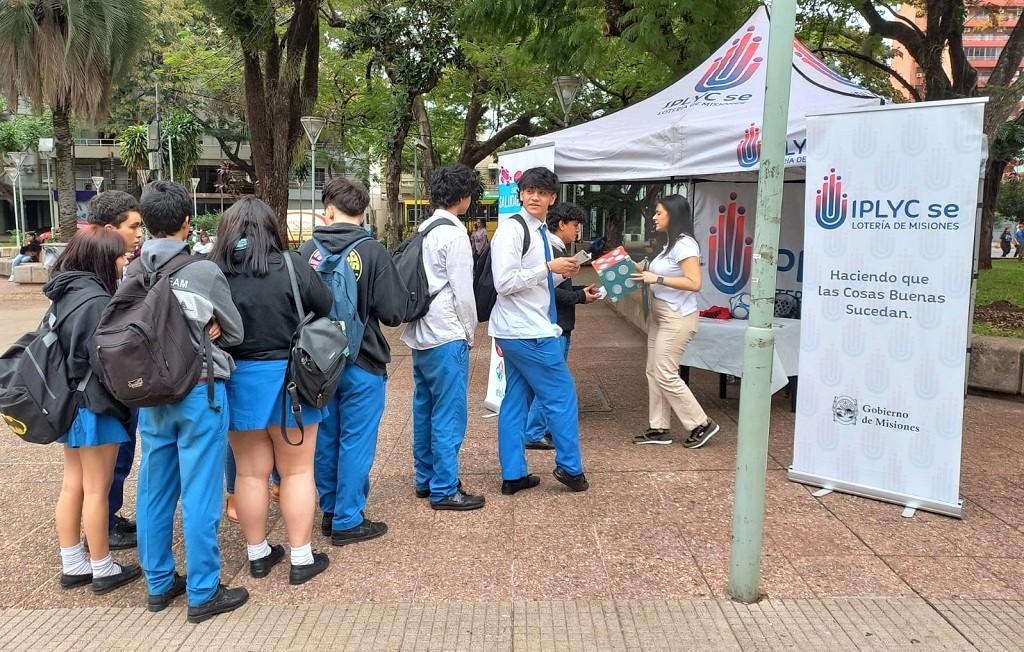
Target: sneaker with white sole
653, 436
702, 434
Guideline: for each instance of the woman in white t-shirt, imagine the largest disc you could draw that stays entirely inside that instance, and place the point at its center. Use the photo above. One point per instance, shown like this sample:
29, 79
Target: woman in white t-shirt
674, 279
205, 245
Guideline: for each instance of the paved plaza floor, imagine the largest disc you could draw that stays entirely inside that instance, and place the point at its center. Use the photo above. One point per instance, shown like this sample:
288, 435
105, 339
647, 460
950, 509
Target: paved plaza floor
640, 561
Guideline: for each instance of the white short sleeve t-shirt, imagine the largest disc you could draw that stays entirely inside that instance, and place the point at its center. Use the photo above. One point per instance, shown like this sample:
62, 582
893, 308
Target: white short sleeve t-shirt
667, 264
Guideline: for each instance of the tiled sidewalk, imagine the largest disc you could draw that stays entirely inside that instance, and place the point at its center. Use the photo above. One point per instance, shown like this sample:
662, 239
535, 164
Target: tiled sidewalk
655, 525
834, 624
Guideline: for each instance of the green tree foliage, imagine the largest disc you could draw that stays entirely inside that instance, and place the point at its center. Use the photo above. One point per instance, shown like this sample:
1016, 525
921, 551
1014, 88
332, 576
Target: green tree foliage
133, 149
186, 143
66, 55
23, 132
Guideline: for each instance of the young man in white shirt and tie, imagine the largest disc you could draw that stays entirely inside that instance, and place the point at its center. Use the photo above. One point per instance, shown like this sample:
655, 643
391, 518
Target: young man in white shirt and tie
440, 343
524, 325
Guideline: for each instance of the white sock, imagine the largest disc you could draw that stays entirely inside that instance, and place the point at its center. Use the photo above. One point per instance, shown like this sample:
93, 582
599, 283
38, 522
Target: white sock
259, 551
74, 560
303, 555
104, 567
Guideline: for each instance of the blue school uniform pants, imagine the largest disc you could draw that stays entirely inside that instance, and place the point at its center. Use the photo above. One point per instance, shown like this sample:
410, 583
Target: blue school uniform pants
536, 425
537, 367
183, 447
122, 467
439, 413
346, 444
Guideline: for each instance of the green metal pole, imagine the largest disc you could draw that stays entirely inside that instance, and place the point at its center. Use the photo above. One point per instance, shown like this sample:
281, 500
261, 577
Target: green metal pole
755, 396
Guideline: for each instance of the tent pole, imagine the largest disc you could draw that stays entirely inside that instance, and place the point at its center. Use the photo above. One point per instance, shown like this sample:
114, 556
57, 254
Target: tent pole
755, 393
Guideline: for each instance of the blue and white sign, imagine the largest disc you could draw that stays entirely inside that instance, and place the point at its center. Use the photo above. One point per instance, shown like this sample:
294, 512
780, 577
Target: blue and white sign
885, 318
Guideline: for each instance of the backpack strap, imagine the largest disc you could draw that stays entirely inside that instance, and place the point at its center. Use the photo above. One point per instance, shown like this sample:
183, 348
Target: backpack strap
526, 233
289, 389
295, 286
444, 221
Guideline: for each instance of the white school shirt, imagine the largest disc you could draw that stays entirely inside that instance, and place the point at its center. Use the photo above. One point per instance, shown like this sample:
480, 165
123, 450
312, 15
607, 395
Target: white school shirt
524, 299
448, 263
667, 264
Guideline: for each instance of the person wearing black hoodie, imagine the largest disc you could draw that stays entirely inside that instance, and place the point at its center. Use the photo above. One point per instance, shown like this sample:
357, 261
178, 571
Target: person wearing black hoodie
347, 440
83, 281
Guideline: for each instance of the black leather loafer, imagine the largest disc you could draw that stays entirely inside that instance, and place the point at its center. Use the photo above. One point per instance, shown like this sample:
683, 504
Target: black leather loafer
302, 574
459, 501
425, 493
326, 524
545, 443
223, 601
261, 567
509, 487
74, 581
574, 482
363, 532
163, 600
128, 574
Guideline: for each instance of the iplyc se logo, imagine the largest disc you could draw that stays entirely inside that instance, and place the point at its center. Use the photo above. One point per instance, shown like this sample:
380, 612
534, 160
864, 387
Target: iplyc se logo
831, 202
730, 248
737, 66
748, 151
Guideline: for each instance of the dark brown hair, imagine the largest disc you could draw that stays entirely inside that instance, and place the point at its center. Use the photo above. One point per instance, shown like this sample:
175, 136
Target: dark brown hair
347, 196
252, 220
96, 250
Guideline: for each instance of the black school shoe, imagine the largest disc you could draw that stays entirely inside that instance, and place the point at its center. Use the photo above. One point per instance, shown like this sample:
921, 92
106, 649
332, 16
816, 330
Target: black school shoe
302, 574
325, 524
74, 581
261, 567
128, 574
223, 601
509, 487
545, 443
161, 601
363, 532
459, 502
574, 482
122, 534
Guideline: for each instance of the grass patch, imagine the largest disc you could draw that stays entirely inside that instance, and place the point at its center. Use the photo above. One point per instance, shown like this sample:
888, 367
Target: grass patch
1005, 282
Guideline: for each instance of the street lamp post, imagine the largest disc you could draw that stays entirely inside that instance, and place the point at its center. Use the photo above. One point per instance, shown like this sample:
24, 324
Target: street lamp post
18, 158
312, 125
13, 174
566, 87
46, 151
195, 184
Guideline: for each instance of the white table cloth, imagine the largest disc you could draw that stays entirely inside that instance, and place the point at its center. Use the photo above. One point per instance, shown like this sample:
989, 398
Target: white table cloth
718, 347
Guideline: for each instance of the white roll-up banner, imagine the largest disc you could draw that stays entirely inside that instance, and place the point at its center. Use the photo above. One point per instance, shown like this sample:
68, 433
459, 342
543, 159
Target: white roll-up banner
511, 165
889, 235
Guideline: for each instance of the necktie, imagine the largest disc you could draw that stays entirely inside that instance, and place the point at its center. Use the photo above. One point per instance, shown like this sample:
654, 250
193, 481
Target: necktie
552, 311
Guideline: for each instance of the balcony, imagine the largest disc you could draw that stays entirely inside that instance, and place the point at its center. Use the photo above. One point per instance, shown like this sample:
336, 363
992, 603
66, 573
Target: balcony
93, 148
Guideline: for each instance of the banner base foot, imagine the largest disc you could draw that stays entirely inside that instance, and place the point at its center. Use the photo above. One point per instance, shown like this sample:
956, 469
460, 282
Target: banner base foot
955, 510
908, 512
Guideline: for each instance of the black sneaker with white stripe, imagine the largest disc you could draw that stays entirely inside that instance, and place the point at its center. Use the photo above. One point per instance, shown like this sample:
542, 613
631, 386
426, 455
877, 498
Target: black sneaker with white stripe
702, 435
653, 436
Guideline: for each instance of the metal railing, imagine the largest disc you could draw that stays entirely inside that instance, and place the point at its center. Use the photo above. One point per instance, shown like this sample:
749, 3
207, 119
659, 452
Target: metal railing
96, 142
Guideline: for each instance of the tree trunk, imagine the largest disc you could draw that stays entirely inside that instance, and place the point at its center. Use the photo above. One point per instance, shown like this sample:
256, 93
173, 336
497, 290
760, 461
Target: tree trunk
65, 172
429, 160
993, 179
393, 179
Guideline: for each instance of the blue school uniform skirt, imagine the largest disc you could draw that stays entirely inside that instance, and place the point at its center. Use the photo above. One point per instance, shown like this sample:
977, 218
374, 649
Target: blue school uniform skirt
91, 429
254, 395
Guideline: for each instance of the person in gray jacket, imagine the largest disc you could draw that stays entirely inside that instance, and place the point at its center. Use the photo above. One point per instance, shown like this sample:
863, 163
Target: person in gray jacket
184, 443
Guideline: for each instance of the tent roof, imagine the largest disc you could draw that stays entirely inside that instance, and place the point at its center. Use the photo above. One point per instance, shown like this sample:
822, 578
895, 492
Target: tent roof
708, 122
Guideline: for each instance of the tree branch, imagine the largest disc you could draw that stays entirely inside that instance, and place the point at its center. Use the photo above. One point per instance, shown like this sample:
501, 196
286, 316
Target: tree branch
912, 39
522, 126
877, 64
623, 97
1010, 58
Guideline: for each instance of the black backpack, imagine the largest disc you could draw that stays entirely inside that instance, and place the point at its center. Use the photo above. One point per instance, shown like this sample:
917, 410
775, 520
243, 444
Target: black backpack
144, 341
37, 399
483, 278
315, 363
409, 263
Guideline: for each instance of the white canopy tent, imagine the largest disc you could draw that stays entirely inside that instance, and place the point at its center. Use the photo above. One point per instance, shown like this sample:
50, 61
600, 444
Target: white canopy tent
707, 123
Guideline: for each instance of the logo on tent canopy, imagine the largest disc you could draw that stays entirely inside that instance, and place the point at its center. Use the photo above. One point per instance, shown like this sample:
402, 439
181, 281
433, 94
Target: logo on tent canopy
730, 248
737, 66
819, 66
831, 202
748, 151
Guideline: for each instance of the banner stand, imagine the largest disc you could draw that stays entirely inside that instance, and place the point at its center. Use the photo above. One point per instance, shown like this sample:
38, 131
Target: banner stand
874, 493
